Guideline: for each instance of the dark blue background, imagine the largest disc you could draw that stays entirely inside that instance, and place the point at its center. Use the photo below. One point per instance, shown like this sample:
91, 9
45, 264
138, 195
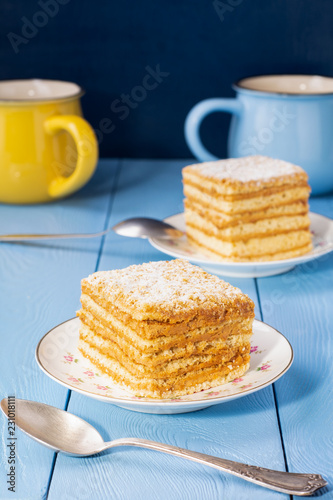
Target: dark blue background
105, 46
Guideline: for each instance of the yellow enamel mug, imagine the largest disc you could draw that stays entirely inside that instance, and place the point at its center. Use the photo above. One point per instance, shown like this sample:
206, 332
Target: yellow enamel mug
47, 150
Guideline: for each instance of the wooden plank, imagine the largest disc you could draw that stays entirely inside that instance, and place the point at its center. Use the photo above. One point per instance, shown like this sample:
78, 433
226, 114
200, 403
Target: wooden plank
40, 287
84, 212
244, 430
299, 304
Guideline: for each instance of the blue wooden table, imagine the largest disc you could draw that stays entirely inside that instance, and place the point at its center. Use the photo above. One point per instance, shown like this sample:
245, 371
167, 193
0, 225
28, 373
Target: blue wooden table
287, 426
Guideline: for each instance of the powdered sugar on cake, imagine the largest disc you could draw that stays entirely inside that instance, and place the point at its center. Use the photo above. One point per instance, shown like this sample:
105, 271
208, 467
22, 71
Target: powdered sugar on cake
172, 284
247, 169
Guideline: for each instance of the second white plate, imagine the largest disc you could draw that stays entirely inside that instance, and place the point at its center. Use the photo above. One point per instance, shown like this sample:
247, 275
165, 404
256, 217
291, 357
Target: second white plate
321, 228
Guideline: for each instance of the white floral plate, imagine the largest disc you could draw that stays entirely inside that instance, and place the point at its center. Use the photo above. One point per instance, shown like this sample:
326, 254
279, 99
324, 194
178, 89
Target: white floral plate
321, 227
57, 355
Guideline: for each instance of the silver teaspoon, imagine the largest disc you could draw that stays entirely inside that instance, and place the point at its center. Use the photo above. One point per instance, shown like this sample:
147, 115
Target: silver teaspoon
65, 432
138, 227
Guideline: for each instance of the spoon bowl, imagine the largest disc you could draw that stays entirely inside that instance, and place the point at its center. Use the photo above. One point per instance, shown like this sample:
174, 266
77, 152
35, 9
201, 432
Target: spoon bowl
55, 428
65, 432
144, 227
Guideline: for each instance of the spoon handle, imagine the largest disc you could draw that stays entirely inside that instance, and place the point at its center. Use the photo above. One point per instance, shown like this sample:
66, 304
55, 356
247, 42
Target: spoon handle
29, 237
285, 482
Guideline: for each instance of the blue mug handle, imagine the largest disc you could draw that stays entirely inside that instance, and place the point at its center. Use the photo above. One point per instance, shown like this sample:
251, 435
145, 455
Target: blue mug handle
195, 117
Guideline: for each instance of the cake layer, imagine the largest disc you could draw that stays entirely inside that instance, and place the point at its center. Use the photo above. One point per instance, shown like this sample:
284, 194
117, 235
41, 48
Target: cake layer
169, 292
261, 202
154, 329
170, 367
279, 247
244, 176
254, 248
212, 189
94, 315
245, 231
118, 344
148, 330
223, 220
171, 387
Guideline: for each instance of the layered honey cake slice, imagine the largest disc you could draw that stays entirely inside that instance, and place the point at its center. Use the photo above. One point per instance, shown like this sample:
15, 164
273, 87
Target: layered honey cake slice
247, 209
165, 329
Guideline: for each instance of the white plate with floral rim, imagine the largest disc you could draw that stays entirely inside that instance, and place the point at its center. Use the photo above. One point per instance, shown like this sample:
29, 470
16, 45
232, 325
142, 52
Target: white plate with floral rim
322, 236
57, 355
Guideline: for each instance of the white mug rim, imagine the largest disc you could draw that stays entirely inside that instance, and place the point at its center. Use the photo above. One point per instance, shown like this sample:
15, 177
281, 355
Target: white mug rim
66, 91
242, 85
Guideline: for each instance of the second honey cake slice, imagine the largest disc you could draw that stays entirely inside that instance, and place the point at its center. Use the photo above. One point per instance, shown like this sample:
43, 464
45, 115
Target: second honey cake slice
165, 329
251, 208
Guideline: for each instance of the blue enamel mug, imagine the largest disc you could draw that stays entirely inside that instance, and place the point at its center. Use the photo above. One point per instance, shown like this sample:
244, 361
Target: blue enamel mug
289, 117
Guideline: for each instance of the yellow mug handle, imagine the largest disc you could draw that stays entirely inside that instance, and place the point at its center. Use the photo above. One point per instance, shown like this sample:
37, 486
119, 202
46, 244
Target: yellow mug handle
87, 153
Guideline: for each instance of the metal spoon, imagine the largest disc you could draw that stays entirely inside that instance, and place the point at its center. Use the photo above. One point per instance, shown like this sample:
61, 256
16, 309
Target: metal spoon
138, 227
65, 432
